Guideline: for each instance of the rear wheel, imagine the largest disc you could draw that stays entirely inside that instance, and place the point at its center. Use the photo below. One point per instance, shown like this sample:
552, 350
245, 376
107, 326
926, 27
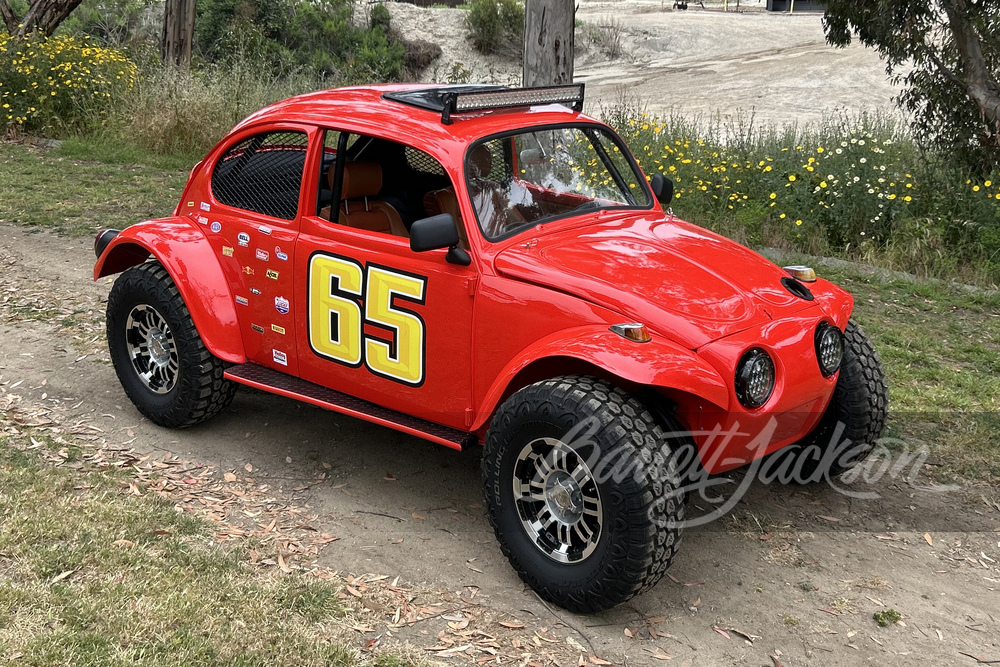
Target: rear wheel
160, 359
581, 492
853, 422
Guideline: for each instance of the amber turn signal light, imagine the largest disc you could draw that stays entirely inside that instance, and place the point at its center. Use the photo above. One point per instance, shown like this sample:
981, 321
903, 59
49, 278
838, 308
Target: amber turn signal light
804, 273
634, 331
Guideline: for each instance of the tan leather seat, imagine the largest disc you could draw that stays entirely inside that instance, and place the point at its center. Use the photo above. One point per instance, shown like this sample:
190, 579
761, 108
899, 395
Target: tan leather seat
358, 208
441, 201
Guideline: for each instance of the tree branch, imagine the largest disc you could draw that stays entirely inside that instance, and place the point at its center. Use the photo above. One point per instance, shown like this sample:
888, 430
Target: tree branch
9, 17
980, 84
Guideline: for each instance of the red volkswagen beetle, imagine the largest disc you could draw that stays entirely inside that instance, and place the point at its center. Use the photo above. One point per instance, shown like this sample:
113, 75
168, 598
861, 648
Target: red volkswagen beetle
480, 265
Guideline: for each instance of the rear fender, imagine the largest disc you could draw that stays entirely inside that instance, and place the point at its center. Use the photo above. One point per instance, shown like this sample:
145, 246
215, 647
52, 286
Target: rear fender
188, 257
658, 364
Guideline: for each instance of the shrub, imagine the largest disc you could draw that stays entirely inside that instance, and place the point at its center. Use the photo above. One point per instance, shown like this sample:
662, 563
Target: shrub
496, 26
55, 83
172, 111
285, 35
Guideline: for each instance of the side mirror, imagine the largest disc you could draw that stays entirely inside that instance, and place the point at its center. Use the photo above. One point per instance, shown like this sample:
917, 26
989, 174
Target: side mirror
532, 156
435, 233
663, 188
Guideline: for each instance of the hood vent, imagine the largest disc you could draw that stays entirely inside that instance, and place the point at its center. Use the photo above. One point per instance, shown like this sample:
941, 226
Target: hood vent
797, 288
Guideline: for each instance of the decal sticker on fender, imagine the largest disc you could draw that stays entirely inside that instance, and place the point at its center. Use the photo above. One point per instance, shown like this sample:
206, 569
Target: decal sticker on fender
281, 304
244, 239
227, 250
280, 255
202, 219
262, 255
343, 296
216, 227
279, 357
191, 204
254, 290
279, 330
263, 229
205, 206
248, 270
257, 328
243, 301
272, 274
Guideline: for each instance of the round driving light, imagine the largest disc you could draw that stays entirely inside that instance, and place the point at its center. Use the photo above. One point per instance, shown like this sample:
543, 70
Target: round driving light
829, 348
754, 378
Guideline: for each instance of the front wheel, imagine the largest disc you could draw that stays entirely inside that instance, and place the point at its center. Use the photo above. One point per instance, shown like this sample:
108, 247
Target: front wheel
582, 492
852, 424
161, 361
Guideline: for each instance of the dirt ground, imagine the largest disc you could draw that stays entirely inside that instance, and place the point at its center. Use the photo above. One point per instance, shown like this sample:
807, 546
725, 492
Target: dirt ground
801, 570
695, 62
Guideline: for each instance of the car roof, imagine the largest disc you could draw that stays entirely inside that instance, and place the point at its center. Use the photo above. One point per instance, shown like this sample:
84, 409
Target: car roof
366, 109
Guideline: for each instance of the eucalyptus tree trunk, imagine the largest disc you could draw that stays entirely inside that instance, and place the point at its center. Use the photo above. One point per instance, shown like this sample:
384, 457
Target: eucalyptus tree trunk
178, 32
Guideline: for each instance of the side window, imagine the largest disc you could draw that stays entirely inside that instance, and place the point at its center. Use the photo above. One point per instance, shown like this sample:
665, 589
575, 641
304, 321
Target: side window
263, 174
384, 186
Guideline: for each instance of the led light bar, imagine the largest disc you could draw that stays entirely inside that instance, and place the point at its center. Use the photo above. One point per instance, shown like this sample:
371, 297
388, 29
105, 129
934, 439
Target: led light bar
455, 102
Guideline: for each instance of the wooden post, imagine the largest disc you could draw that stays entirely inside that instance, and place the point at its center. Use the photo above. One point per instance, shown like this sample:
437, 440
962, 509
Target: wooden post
548, 42
178, 32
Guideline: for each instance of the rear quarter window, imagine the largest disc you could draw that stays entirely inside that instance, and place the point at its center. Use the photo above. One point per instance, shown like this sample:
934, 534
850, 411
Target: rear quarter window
263, 174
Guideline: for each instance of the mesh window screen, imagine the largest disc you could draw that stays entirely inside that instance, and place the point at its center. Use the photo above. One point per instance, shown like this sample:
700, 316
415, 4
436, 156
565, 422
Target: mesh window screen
263, 174
421, 161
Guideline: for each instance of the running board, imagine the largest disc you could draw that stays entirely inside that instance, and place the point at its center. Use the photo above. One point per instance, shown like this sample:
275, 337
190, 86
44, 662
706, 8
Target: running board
266, 379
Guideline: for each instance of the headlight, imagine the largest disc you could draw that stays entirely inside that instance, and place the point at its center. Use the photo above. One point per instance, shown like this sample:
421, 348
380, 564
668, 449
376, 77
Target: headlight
754, 378
829, 348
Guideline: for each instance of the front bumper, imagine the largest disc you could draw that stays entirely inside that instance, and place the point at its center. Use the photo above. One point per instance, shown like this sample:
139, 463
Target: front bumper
730, 438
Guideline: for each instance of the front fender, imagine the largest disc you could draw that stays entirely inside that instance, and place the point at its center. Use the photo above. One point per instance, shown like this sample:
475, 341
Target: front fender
658, 363
188, 257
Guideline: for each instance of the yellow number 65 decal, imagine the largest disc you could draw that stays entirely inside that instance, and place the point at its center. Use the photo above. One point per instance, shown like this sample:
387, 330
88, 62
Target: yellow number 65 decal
337, 286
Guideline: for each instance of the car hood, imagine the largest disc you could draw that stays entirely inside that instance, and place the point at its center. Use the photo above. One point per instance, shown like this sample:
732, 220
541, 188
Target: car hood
680, 280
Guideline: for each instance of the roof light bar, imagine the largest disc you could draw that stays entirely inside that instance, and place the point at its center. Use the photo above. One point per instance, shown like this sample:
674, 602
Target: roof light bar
570, 95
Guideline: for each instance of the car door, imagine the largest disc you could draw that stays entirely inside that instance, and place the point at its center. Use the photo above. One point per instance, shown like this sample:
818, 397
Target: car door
381, 322
252, 217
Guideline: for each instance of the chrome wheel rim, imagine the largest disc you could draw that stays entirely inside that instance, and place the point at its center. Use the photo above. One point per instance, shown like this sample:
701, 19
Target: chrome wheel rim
151, 349
557, 500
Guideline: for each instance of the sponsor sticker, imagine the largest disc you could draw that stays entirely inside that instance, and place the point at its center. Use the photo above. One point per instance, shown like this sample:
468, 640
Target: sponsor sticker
262, 255
257, 328
279, 357
227, 250
254, 290
283, 256
263, 229
244, 239
205, 206
216, 226
202, 219
191, 204
272, 274
243, 301
248, 270
281, 304
279, 330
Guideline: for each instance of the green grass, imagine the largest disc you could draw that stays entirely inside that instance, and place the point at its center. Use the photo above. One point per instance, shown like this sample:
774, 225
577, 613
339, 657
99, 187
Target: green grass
148, 585
940, 347
84, 186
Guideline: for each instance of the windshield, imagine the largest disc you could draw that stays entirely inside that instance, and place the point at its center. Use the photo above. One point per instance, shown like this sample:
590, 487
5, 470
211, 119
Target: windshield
518, 181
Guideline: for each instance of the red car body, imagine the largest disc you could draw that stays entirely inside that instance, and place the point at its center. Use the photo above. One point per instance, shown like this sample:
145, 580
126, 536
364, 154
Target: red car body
532, 306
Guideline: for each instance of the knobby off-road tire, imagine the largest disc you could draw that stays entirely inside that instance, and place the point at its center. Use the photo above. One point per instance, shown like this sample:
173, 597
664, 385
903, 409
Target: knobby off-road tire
860, 404
188, 387
633, 483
